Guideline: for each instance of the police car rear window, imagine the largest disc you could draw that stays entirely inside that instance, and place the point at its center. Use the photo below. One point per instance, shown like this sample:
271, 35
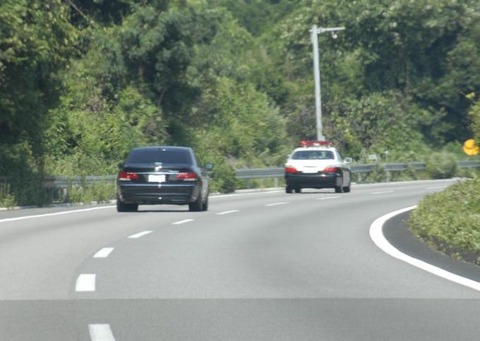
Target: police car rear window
313, 155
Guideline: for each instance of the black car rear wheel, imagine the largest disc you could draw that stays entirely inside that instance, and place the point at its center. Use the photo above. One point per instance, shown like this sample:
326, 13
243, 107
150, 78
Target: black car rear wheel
205, 205
197, 205
123, 207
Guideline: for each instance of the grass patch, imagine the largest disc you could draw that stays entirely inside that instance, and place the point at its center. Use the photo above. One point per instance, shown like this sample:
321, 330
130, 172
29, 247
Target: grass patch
7, 199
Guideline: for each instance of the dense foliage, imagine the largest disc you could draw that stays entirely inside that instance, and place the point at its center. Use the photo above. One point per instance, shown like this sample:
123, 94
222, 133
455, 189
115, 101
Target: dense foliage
449, 221
83, 81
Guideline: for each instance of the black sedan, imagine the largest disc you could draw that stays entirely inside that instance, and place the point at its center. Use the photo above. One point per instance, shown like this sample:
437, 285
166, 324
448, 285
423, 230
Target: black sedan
162, 175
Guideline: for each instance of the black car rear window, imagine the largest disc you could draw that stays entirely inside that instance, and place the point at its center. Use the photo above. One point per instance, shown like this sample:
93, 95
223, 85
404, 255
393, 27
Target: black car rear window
162, 155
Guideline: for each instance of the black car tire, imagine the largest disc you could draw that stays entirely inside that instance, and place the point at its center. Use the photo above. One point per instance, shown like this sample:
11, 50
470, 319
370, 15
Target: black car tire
346, 189
288, 190
298, 190
205, 204
197, 205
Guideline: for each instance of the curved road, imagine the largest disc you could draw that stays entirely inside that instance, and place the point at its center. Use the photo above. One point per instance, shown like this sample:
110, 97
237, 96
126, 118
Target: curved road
257, 266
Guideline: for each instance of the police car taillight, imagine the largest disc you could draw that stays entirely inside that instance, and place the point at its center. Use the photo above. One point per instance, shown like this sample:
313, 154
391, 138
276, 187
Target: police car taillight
330, 169
306, 143
290, 170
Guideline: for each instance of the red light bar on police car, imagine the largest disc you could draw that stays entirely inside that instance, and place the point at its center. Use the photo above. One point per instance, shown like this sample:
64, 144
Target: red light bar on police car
305, 143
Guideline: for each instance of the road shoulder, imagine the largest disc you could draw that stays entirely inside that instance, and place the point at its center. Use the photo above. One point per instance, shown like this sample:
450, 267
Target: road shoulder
392, 235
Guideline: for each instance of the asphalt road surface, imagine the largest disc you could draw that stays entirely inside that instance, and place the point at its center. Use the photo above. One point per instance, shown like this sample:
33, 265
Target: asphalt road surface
260, 265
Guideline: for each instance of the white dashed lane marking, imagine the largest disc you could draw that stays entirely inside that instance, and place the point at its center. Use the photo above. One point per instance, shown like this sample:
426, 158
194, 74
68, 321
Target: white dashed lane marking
139, 235
100, 332
85, 283
103, 253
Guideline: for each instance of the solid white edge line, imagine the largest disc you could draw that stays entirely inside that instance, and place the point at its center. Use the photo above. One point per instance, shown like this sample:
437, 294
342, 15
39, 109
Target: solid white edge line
103, 253
182, 222
227, 212
139, 235
55, 214
376, 234
100, 332
276, 204
382, 192
85, 283
436, 187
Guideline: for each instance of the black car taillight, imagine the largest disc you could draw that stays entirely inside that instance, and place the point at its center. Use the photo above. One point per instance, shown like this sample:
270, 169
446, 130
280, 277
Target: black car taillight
127, 176
186, 176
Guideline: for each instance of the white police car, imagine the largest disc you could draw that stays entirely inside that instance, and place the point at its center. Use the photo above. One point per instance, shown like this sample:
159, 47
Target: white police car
317, 164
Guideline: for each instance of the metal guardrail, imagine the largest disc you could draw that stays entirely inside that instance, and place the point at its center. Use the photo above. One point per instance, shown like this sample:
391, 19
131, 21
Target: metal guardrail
59, 188
261, 173
67, 181
246, 173
258, 173
469, 164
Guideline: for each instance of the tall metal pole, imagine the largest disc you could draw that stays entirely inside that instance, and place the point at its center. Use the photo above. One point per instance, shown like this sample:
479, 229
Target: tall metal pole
316, 68
318, 95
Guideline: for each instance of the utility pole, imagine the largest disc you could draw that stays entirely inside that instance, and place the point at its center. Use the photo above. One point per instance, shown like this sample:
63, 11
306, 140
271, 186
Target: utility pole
315, 31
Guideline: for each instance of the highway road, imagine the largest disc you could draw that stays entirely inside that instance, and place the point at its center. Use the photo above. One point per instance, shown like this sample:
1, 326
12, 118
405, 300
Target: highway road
262, 265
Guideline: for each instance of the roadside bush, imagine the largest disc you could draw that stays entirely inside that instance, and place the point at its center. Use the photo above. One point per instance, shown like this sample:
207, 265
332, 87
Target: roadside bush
450, 221
441, 165
223, 179
468, 173
7, 199
75, 194
102, 192
379, 174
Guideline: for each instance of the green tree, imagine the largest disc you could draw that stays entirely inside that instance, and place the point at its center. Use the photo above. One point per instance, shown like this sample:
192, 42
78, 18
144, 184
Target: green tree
158, 47
243, 125
474, 115
102, 115
36, 41
413, 48
257, 16
377, 122
104, 12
